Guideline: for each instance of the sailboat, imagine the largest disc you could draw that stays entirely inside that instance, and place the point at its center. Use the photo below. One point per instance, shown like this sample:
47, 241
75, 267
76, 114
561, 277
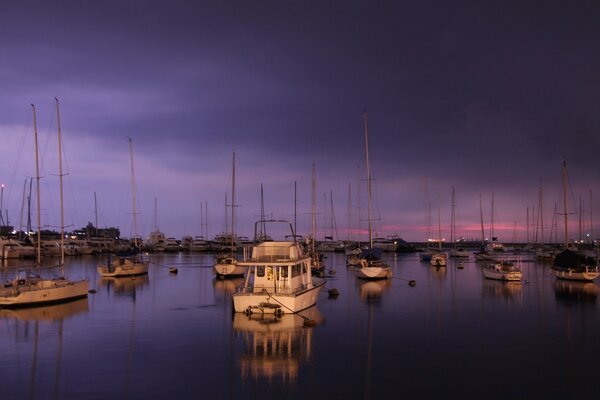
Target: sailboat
571, 264
227, 264
29, 288
370, 265
456, 251
317, 265
438, 257
128, 263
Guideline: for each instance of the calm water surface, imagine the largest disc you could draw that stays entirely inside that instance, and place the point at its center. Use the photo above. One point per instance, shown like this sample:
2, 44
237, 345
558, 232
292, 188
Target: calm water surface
453, 335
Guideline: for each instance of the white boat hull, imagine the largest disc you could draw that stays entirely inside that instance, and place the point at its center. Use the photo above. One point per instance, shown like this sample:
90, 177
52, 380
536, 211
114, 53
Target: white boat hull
128, 268
42, 291
371, 272
271, 303
226, 270
577, 276
502, 272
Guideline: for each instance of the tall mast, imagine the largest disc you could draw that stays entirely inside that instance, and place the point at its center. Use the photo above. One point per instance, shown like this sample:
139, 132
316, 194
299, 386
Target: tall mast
368, 178
541, 210
133, 199
60, 178
452, 220
95, 211
313, 212
349, 221
481, 219
22, 209
206, 219
37, 183
233, 205
591, 221
358, 207
564, 176
492, 220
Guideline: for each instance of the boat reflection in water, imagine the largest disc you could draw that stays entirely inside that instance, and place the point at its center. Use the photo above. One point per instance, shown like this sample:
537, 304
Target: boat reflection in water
39, 327
228, 285
505, 290
125, 285
575, 292
275, 346
373, 290
50, 313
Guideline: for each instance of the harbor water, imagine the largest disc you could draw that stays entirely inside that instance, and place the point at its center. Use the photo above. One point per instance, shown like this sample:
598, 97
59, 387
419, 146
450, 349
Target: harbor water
174, 336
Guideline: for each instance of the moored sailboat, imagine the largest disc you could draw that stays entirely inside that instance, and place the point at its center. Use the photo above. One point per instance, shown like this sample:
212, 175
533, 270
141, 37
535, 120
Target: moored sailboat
130, 262
570, 264
226, 265
502, 271
29, 288
369, 264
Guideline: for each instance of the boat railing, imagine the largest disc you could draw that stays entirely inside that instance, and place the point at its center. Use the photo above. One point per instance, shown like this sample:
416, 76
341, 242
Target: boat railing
257, 289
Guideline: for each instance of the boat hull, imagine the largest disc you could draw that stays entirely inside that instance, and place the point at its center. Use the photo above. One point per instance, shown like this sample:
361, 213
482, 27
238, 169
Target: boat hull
228, 270
571, 275
277, 303
44, 291
503, 276
502, 272
373, 272
438, 259
132, 269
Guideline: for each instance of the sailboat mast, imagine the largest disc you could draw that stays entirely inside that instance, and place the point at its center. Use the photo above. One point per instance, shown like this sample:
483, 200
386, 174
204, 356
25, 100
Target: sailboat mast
358, 205
37, 182
95, 211
349, 235
452, 220
564, 176
541, 210
481, 219
591, 221
313, 212
368, 178
60, 178
135, 238
233, 206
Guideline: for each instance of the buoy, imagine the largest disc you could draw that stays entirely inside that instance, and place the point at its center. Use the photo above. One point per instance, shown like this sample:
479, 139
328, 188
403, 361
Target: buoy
173, 270
412, 283
333, 292
309, 322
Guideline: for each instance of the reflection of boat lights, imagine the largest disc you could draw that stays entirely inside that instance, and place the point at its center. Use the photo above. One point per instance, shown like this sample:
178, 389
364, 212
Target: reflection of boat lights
228, 285
125, 285
575, 291
275, 346
502, 289
370, 290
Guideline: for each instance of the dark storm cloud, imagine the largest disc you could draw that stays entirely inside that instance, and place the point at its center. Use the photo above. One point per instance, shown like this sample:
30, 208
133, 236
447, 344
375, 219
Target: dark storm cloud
483, 95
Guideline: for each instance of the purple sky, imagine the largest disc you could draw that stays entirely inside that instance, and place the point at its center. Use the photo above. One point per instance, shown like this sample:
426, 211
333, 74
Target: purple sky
483, 96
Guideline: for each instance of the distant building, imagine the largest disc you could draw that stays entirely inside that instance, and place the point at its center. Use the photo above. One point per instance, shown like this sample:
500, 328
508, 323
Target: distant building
90, 231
